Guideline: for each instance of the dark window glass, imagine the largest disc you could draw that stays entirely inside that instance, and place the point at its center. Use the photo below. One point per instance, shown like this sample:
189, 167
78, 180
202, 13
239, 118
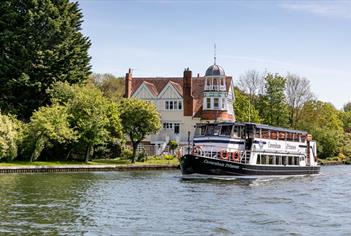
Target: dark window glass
226, 130
176, 128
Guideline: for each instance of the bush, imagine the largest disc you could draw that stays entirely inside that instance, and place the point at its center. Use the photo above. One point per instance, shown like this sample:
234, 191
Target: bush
10, 136
168, 157
127, 153
173, 145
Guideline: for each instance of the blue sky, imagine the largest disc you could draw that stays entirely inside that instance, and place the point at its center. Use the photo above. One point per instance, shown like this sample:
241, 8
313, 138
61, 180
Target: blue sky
161, 38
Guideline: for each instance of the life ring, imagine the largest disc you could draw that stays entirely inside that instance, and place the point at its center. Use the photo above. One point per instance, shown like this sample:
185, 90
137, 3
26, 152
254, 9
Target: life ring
236, 156
197, 150
224, 155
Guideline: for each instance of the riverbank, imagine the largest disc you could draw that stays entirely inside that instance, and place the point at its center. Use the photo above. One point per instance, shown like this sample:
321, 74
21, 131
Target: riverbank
84, 168
333, 163
96, 165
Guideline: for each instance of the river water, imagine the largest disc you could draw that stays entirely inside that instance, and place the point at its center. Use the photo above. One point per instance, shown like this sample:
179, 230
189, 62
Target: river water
162, 203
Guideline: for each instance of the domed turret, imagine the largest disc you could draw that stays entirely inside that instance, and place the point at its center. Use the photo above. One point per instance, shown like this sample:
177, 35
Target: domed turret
215, 70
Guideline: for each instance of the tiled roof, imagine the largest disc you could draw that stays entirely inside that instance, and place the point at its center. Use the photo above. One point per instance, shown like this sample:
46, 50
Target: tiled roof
156, 85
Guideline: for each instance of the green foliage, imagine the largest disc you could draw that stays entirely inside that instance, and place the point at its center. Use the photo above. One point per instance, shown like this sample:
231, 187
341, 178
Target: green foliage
168, 157
47, 126
322, 121
111, 86
345, 147
173, 145
10, 136
272, 105
127, 153
139, 118
347, 107
40, 43
346, 120
94, 117
243, 109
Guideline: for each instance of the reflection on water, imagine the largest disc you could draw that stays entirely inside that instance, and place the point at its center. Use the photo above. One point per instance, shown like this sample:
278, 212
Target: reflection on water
163, 203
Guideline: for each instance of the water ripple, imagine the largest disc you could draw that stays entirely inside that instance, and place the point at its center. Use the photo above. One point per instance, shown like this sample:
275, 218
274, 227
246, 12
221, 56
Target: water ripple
162, 203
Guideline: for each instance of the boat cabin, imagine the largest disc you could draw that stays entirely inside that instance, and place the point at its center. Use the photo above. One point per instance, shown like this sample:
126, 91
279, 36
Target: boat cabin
254, 143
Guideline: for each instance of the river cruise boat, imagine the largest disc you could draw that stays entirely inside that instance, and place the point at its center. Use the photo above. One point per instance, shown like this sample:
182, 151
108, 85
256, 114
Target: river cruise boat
249, 149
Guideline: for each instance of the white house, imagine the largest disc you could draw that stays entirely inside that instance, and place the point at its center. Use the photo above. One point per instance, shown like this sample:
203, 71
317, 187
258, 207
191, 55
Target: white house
184, 101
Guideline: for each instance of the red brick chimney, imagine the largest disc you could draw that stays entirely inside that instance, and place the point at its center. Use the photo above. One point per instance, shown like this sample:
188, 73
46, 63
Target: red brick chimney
128, 84
187, 93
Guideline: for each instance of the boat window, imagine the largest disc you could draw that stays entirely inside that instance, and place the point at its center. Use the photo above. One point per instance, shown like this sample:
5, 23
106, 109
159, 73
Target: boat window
282, 135
265, 133
273, 134
226, 130
258, 161
296, 137
271, 160
258, 133
285, 160
291, 160
216, 130
236, 131
200, 130
303, 138
290, 137
264, 159
242, 132
279, 160
209, 130
296, 160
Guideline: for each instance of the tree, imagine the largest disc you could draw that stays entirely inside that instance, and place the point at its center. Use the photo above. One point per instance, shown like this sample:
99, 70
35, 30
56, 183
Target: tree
173, 145
322, 121
10, 135
346, 120
47, 126
40, 43
139, 118
297, 93
272, 105
251, 82
111, 86
94, 117
243, 111
347, 107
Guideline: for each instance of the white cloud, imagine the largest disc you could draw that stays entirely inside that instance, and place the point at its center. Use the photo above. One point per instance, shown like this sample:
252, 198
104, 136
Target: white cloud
338, 9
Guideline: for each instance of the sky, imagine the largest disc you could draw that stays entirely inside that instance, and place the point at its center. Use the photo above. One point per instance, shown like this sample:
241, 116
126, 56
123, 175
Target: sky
163, 37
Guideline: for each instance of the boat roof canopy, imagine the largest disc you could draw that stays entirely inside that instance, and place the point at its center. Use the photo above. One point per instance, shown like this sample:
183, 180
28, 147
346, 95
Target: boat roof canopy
259, 126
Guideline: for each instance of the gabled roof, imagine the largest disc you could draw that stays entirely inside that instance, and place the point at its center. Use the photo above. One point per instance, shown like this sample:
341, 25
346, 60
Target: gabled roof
157, 84
151, 87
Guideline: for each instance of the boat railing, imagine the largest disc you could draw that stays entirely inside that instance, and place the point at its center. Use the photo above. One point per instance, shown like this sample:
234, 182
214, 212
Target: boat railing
209, 151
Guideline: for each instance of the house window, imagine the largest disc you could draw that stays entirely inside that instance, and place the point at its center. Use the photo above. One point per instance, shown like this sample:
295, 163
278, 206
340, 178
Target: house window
175, 127
208, 103
216, 103
173, 105
223, 103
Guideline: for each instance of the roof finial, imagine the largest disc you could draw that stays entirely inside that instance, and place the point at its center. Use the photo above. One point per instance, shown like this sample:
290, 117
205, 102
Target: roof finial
214, 54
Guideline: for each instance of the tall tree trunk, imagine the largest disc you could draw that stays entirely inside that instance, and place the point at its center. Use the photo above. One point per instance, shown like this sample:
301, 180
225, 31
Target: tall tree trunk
87, 153
135, 146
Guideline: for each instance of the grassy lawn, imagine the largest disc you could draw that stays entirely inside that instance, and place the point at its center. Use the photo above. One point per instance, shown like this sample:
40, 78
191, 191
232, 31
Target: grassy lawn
116, 161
